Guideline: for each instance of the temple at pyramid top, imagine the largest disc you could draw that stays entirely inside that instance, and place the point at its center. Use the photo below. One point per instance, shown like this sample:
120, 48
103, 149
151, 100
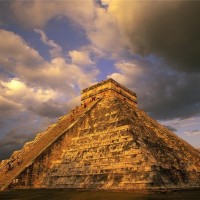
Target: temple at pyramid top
107, 88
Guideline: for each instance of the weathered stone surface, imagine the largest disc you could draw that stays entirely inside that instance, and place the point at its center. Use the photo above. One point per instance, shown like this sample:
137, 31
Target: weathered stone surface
112, 145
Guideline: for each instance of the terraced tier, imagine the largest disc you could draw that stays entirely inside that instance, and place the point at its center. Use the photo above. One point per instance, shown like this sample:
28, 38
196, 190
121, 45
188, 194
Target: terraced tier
110, 145
40, 144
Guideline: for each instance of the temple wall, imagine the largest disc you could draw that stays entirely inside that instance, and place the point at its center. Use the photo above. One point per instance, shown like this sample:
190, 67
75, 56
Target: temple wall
108, 88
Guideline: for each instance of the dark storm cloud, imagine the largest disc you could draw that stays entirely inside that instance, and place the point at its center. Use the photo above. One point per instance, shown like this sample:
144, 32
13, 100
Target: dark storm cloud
48, 109
18, 125
6, 106
162, 91
5, 12
12, 141
168, 86
171, 96
169, 29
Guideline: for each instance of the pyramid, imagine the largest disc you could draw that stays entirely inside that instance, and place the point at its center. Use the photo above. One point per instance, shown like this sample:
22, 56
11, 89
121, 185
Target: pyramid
106, 143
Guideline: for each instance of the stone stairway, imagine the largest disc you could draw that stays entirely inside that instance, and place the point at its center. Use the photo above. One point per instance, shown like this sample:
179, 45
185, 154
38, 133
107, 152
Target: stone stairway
41, 143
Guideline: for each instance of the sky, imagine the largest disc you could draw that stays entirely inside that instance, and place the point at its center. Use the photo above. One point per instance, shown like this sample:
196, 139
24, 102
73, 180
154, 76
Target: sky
52, 49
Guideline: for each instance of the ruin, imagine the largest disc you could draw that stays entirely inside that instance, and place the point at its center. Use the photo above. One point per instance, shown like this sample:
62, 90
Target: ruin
107, 143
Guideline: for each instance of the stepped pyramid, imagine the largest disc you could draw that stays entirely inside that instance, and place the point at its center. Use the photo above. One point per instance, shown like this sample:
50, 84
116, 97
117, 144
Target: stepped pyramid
106, 143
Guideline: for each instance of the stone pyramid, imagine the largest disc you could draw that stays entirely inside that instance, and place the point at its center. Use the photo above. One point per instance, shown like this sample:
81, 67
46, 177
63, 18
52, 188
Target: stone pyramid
106, 143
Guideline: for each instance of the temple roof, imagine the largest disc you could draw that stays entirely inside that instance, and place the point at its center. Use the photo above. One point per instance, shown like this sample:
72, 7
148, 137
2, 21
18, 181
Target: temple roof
104, 82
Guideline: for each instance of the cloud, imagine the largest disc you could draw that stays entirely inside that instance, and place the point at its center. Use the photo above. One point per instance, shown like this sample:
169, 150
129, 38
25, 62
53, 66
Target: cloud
34, 91
55, 48
12, 141
14, 51
94, 18
4, 10
18, 58
7, 105
104, 34
162, 92
50, 109
25, 111
193, 132
80, 58
25, 11
162, 38
127, 71
46, 90
168, 29
43, 102
20, 131
182, 124
17, 90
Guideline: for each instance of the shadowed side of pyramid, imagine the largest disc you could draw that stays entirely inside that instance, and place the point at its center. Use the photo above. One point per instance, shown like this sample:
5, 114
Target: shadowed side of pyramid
177, 164
113, 146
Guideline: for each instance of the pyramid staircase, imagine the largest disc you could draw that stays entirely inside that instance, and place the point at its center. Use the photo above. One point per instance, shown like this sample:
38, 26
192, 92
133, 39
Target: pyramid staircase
114, 146
107, 138
42, 142
123, 144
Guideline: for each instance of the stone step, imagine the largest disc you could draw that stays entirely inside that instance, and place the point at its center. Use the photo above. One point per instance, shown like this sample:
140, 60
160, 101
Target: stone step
41, 144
